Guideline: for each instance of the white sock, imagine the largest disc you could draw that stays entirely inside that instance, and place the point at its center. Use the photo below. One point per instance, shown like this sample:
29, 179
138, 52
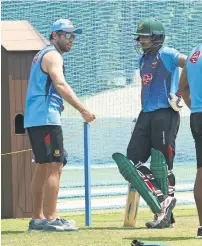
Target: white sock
38, 220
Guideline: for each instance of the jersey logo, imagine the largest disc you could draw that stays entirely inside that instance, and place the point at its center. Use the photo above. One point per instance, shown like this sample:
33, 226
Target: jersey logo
195, 57
140, 27
147, 78
154, 64
57, 153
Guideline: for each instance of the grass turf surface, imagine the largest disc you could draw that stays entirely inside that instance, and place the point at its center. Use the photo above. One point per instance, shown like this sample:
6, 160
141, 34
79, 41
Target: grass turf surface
107, 230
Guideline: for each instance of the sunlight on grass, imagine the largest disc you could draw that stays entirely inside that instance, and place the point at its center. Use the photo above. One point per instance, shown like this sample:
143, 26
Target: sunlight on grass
107, 230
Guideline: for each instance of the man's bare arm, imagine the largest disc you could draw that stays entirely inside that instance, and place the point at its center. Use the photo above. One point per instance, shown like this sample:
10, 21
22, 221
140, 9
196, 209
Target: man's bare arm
53, 64
182, 61
184, 87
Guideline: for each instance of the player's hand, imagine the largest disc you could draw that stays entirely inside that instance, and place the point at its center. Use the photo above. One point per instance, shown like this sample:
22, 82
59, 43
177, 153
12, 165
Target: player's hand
176, 101
88, 117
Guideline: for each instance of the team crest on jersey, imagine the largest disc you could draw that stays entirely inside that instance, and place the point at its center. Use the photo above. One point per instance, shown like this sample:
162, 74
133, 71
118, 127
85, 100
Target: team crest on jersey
140, 27
154, 64
147, 78
57, 153
195, 57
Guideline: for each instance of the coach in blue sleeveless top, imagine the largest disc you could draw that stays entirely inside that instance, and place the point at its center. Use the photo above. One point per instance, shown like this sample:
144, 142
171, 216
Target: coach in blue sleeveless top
158, 122
44, 102
191, 89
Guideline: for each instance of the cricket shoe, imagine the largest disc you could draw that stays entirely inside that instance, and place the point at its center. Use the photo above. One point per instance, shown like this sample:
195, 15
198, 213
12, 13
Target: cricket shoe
163, 219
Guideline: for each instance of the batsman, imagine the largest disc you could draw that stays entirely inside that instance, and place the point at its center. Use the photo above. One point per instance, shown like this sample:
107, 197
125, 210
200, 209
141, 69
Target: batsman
157, 125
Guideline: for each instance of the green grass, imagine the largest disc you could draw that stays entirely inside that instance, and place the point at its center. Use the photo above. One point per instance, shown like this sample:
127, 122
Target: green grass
107, 230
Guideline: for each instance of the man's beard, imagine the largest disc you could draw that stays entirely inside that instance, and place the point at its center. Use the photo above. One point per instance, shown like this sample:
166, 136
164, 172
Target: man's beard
63, 47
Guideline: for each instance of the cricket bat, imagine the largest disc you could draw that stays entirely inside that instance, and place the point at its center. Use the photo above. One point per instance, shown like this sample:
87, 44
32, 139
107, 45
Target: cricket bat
131, 209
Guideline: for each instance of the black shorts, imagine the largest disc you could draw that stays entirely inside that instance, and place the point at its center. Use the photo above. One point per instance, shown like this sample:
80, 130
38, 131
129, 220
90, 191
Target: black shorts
47, 143
158, 130
196, 129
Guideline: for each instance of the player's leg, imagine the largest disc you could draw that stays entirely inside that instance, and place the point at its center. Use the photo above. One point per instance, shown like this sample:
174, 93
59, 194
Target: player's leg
54, 169
171, 155
165, 125
159, 173
196, 128
139, 150
37, 188
45, 182
198, 196
51, 189
157, 176
139, 147
142, 180
36, 136
139, 138
164, 128
38, 180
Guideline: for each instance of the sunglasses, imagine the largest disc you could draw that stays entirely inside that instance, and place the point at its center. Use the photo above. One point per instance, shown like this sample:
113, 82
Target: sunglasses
67, 35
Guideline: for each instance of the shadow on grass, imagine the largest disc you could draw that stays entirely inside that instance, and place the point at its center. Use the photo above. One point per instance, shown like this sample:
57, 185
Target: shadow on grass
12, 232
156, 239
112, 228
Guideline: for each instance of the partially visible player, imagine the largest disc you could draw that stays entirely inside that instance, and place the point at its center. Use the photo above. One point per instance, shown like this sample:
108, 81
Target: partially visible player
191, 89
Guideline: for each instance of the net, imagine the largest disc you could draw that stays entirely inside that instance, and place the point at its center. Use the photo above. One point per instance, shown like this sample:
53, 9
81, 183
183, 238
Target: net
102, 70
